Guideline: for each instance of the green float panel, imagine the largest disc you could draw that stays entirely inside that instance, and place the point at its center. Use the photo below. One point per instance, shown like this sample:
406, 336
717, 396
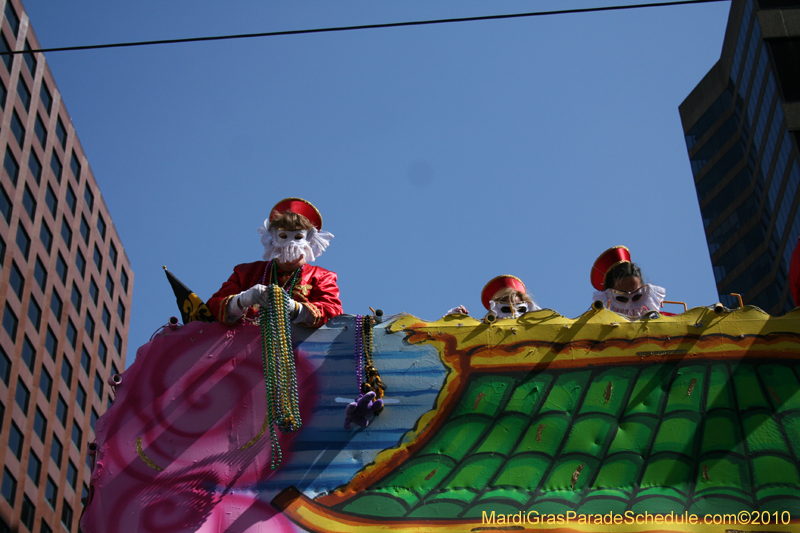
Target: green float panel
720, 395
783, 389
763, 434
791, 424
748, 388
485, 395
667, 475
523, 472
687, 389
567, 392
722, 433
458, 436
770, 469
544, 435
649, 390
677, 434
564, 471
506, 495
620, 473
609, 391
529, 394
590, 435
420, 474
377, 504
475, 471
505, 433
633, 435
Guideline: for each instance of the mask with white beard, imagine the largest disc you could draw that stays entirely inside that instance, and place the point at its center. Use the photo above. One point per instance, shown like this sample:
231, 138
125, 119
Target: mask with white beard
289, 245
506, 310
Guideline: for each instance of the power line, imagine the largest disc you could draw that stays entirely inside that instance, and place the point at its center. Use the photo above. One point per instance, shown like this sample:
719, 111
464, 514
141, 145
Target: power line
361, 27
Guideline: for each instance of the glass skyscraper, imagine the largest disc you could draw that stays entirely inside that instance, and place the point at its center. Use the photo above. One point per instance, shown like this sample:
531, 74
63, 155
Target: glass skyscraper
741, 125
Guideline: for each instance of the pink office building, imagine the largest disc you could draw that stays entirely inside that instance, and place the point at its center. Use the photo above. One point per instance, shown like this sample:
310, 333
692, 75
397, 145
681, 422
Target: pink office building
65, 295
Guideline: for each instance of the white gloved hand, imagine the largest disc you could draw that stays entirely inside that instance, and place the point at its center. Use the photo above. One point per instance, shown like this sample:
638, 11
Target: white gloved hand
460, 310
251, 296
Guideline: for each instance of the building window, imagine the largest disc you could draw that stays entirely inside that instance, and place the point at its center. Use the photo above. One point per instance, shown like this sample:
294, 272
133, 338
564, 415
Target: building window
66, 516
93, 419
86, 360
112, 252
12, 18
34, 313
46, 236
66, 233
46, 98
35, 167
77, 435
56, 451
28, 512
98, 258
80, 262
5, 205
40, 424
109, 285
8, 59
22, 397
3, 94
101, 227
28, 352
15, 441
98, 385
29, 202
61, 268
51, 492
76, 298
66, 372
94, 291
40, 274
23, 241
11, 166
72, 474
75, 165
17, 129
84, 229
124, 280
16, 281
41, 131
34, 468
24, 94
30, 59
61, 411
10, 324
102, 351
106, 318
121, 312
9, 487
44, 527
50, 200
58, 168
56, 306
118, 344
5, 367
51, 344
72, 200
89, 328
72, 333
61, 133
45, 384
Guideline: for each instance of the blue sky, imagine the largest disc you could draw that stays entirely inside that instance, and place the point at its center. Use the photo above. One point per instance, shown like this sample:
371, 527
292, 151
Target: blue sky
439, 156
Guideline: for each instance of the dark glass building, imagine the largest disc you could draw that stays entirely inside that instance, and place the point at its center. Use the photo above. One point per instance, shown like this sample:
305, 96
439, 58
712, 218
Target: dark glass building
741, 124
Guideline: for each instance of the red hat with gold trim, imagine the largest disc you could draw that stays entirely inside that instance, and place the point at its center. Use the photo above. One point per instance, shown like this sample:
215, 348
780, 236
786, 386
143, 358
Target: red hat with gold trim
608, 260
500, 282
300, 207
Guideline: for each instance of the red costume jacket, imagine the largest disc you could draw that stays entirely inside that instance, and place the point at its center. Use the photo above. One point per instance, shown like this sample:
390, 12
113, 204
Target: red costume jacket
316, 289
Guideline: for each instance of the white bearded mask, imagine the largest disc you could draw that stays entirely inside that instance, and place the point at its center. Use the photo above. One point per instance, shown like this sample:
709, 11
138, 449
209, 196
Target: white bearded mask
635, 303
289, 245
506, 310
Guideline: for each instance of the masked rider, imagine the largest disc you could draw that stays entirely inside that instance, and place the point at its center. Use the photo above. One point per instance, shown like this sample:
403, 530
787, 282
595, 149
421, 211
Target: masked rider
292, 237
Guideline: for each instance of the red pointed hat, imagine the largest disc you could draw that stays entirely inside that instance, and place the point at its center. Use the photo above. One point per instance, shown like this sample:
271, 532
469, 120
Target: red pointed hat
608, 260
500, 282
300, 207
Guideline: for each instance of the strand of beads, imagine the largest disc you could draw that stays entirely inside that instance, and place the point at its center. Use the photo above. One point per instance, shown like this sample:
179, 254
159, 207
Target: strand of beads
279, 368
372, 379
359, 354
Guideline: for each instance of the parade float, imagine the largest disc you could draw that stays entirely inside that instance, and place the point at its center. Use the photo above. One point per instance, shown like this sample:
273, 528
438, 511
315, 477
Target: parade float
597, 423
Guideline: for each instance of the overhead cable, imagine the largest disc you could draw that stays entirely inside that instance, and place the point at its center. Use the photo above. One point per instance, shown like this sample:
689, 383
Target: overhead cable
362, 27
